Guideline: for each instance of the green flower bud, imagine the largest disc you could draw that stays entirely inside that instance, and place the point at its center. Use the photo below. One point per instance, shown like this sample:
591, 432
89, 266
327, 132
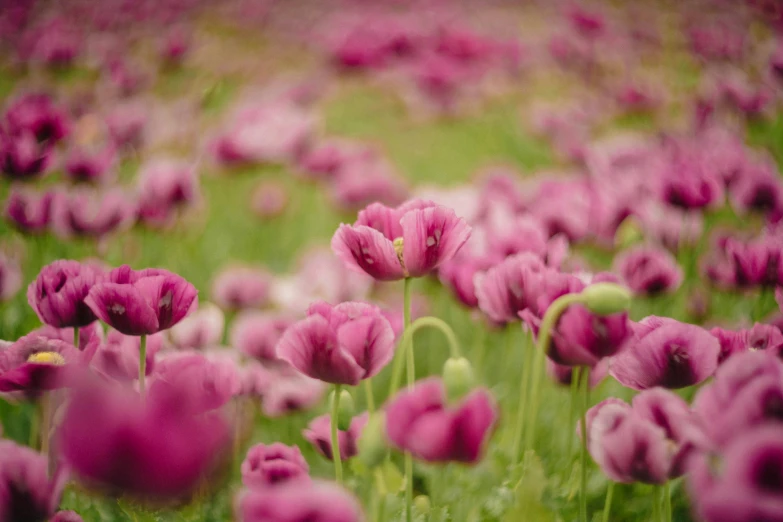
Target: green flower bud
606, 298
458, 378
346, 410
372, 443
422, 503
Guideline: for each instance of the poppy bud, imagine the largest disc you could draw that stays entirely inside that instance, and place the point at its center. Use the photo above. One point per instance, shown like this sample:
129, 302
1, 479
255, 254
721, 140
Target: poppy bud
606, 298
345, 410
372, 443
458, 378
422, 503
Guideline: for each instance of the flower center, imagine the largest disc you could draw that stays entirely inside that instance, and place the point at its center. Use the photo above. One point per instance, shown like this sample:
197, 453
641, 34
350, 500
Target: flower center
398, 245
47, 358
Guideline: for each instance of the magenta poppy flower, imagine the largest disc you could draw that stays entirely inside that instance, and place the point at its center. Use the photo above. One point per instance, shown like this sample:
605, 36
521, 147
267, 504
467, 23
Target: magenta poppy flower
265, 133
26, 491
241, 287
459, 275
87, 334
757, 189
646, 442
10, 277
57, 295
268, 465
408, 241
118, 357
665, 352
141, 302
29, 212
22, 157
165, 186
67, 516
254, 379
759, 337
758, 262
511, 286
151, 450
573, 194
34, 364
580, 338
340, 344
320, 276
126, 123
256, 334
671, 227
743, 483
327, 158
747, 392
647, 270
90, 166
201, 329
688, 182
319, 435
291, 392
38, 114
365, 180
421, 422
209, 383
85, 212
295, 502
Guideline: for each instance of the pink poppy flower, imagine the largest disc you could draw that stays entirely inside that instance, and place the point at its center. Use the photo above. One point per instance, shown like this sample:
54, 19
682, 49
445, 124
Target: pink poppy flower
165, 186
34, 364
421, 422
743, 483
646, 270
316, 502
408, 241
22, 157
90, 165
668, 353
210, 382
291, 392
340, 344
241, 287
256, 334
57, 295
141, 302
26, 491
201, 329
85, 212
269, 465
151, 450
319, 435
511, 286
118, 357
29, 212
37, 113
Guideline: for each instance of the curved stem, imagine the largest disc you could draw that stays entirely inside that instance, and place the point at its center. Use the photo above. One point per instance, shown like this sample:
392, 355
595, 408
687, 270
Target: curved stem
585, 392
523, 397
142, 364
369, 395
551, 316
336, 457
608, 501
408, 340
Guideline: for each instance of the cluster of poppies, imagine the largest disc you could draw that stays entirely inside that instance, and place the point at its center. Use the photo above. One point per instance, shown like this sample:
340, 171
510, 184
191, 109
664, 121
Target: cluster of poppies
145, 395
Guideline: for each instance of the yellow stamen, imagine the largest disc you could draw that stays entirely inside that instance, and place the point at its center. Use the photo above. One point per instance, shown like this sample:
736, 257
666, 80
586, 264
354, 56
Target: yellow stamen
398, 249
47, 358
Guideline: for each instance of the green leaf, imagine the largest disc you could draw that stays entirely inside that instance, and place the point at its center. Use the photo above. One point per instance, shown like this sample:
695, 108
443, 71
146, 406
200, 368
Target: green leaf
529, 492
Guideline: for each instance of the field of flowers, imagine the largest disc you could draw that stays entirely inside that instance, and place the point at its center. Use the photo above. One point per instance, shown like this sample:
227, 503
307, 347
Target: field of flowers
417, 260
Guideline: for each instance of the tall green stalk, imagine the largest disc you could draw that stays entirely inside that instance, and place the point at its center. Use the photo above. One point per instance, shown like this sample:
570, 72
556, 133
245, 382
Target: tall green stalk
336, 457
585, 393
411, 372
524, 386
608, 501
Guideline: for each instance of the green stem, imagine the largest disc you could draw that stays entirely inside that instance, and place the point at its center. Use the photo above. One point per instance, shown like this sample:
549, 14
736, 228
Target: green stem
656, 500
407, 341
585, 392
76, 337
369, 395
523, 397
608, 501
411, 378
667, 502
338, 463
479, 347
142, 364
575, 375
551, 316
